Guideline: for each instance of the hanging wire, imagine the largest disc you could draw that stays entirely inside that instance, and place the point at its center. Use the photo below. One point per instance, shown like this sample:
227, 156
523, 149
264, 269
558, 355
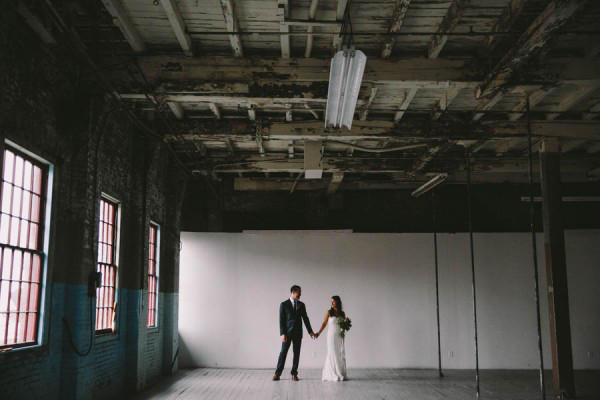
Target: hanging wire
473, 285
534, 253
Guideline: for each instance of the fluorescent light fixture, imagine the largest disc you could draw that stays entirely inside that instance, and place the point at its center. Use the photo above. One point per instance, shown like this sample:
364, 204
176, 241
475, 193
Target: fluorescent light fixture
426, 187
345, 77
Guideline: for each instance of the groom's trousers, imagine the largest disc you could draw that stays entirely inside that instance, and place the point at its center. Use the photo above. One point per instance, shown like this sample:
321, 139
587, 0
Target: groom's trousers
296, 341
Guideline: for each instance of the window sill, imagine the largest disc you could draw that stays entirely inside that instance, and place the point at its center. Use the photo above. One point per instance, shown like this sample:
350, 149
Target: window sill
23, 352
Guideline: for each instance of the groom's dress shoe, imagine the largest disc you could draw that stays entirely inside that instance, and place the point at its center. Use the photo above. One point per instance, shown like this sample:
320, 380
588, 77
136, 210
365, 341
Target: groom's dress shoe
295, 378
275, 377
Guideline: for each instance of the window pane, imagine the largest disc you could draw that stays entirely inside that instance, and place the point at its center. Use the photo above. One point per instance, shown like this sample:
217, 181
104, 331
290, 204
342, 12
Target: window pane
20, 265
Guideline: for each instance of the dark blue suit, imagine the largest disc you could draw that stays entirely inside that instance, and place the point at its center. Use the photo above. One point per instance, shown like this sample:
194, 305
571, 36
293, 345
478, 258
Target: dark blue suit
290, 324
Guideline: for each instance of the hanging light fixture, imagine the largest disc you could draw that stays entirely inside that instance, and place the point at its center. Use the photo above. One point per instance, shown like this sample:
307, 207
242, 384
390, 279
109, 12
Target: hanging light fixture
345, 78
427, 186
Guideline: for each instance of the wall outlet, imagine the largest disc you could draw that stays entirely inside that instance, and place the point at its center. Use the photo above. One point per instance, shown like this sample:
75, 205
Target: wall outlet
590, 355
451, 354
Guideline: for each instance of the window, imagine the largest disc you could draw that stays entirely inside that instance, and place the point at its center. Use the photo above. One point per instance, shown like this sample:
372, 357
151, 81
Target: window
22, 246
153, 259
107, 266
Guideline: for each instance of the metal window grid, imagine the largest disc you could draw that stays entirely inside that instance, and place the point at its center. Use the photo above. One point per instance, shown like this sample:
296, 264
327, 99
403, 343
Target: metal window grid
106, 265
152, 276
22, 216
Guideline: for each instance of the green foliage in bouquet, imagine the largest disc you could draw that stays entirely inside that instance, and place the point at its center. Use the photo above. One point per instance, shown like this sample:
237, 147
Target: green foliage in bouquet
345, 324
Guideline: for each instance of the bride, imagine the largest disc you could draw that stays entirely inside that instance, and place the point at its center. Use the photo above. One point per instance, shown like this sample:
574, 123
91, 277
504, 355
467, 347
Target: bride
335, 362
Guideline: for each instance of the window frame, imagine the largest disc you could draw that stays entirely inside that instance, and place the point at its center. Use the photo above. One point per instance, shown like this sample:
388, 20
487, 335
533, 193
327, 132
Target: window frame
109, 332
43, 240
156, 275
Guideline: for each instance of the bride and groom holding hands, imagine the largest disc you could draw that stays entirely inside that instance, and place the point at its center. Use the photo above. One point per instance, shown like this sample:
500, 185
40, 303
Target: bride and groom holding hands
292, 313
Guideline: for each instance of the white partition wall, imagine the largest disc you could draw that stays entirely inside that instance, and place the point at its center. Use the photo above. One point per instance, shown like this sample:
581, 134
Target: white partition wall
231, 285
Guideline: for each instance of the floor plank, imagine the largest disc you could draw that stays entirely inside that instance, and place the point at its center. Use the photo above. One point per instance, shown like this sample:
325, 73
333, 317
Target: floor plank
388, 384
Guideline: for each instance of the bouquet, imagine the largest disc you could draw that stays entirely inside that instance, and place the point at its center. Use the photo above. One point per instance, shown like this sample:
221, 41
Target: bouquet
345, 324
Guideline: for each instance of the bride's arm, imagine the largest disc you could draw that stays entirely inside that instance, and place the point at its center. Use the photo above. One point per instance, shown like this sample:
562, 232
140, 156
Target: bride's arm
324, 324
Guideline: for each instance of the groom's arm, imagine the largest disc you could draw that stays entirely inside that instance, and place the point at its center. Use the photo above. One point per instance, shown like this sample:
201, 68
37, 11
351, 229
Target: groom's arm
306, 320
282, 327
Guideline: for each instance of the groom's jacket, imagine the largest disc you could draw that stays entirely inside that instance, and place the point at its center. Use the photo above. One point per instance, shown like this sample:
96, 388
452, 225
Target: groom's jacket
290, 321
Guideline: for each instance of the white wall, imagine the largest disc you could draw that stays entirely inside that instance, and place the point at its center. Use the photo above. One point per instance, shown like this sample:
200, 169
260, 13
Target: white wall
231, 286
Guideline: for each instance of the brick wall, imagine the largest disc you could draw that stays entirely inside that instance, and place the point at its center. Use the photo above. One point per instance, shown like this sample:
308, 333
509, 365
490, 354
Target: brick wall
47, 107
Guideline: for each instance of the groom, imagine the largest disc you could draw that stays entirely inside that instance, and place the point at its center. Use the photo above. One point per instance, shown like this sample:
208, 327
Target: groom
291, 314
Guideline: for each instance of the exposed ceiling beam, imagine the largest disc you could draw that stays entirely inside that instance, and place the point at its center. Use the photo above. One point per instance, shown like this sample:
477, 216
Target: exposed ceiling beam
251, 113
568, 101
529, 44
176, 109
510, 170
283, 13
178, 26
335, 182
507, 20
232, 26
309, 37
214, 108
418, 131
452, 18
408, 97
400, 10
365, 109
592, 112
122, 20
36, 24
408, 73
535, 98
444, 102
487, 105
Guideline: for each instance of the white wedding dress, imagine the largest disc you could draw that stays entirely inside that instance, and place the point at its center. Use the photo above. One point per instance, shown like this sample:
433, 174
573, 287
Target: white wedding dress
335, 362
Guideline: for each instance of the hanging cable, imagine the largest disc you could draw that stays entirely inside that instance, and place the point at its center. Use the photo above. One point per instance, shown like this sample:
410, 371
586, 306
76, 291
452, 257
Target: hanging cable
473, 285
437, 286
534, 253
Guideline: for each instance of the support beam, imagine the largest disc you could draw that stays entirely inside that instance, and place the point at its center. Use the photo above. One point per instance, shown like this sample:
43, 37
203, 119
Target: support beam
408, 97
259, 141
176, 109
556, 271
447, 98
291, 149
487, 105
284, 29
534, 99
592, 112
537, 35
452, 18
309, 38
230, 148
251, 113
122, 20
335, 182
400, 10
178, 26
365, 110
421, 73
570, 100
288, 113
215, 110
35, 24
232, 26
507, 20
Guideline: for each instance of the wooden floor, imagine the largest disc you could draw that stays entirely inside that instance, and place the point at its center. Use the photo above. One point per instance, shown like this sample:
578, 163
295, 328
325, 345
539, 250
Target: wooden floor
388, 384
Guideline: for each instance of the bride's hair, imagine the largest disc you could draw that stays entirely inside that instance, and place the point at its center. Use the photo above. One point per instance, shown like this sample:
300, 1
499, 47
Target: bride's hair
338, 303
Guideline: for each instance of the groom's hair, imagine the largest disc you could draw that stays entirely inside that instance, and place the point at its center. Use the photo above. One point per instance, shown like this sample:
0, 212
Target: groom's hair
294, 288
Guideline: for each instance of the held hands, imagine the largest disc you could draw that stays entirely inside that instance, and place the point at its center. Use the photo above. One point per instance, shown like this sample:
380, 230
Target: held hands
314, 335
